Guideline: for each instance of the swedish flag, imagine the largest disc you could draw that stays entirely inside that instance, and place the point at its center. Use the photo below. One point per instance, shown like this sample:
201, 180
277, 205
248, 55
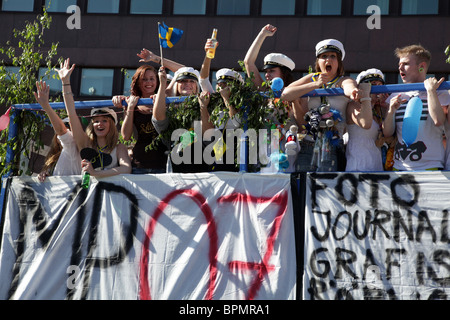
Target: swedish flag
168, 36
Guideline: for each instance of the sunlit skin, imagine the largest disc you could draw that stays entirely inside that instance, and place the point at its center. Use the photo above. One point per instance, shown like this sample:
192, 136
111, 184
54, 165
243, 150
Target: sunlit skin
148, 84
409, 69
101, 125
187, 87
273, 73
329, 64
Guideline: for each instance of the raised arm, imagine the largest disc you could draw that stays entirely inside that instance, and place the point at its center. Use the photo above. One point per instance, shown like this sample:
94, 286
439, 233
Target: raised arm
129, 110
159, 105
360, 113
434, 105
42, 97
301, 87
205, 83
253, 51
78, 132
148, 56
204, 100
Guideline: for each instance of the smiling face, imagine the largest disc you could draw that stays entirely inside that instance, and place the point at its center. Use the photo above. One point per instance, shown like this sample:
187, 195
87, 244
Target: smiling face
101, 125
148, 84
186, 87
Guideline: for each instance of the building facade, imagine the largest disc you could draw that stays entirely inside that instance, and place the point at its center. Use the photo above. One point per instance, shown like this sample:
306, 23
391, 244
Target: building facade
104, 36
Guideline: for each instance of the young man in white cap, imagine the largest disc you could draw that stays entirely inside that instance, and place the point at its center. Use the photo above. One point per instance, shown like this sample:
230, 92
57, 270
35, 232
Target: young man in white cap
427, 151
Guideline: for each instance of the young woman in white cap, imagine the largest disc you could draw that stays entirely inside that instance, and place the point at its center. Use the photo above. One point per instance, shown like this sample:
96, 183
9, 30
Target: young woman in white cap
99, 143
329, 67
185, 82
276, 65
364, 125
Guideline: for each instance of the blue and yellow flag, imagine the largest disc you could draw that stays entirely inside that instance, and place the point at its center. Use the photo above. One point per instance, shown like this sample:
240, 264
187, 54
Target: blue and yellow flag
168, 36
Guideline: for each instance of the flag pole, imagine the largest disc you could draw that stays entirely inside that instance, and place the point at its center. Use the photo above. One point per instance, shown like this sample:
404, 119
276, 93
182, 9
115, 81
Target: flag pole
160, 47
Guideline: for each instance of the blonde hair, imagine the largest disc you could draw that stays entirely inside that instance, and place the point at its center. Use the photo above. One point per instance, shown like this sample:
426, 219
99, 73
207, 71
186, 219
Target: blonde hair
112, 138
53, 155
422, 54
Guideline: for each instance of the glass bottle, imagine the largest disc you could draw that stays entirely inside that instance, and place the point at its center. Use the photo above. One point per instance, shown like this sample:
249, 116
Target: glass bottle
211, 53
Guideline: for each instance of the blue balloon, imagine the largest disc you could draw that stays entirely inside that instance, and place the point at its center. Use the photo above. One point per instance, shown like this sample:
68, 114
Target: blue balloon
277, 84
411, 120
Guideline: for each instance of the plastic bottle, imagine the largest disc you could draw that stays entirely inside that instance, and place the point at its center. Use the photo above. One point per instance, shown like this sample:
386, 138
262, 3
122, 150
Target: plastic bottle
85, 180
211, 53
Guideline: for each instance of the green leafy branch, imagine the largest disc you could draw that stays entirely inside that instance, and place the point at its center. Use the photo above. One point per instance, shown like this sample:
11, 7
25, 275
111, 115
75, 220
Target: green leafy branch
17, 88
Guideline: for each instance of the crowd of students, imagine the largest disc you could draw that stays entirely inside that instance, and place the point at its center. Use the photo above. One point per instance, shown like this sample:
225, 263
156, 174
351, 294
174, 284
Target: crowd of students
357, 131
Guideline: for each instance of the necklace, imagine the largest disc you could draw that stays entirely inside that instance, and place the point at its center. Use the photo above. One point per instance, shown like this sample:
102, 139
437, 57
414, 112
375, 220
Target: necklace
378, 117
101, 152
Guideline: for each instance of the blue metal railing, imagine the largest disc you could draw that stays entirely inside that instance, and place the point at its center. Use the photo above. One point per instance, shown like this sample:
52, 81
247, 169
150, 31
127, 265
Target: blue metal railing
393, 88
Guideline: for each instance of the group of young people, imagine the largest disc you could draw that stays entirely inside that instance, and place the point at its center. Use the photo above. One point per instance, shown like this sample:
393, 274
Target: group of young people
357, 131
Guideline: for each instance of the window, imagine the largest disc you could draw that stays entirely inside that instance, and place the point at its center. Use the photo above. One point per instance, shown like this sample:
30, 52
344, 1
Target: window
52, 80
13, 73
420, 7
360, 6
189, 7
97, 82
128, 78
59, 5
233, 7
324, 7
146, 6
278, 7
18, 5
103, 6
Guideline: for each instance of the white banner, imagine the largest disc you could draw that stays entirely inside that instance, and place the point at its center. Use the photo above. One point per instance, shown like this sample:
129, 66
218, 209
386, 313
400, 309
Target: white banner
191, 236
377, 236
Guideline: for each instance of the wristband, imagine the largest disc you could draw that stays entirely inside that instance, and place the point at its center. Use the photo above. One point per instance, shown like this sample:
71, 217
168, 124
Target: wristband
365, 99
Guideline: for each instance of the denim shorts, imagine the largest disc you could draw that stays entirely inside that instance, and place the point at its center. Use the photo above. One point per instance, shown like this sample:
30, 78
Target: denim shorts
304, 161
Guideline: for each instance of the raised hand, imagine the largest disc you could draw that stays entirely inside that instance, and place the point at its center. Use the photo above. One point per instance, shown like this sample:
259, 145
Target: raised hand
147, 56
43, 92
269, 30
65, 71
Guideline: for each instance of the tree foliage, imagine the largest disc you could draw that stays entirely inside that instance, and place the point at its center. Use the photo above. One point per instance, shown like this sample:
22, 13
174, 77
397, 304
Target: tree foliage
27, 54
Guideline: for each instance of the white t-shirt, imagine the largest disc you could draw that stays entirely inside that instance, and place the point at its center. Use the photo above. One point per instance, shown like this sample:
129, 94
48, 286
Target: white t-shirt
427, 152
69, 162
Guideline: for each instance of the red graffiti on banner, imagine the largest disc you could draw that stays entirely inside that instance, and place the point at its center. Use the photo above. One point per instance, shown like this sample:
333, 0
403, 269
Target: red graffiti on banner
213, 247
262, 268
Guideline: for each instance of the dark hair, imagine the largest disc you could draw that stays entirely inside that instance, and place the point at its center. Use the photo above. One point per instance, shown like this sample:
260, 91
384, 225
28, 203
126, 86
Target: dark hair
286, 75
138, 75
